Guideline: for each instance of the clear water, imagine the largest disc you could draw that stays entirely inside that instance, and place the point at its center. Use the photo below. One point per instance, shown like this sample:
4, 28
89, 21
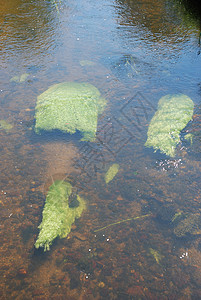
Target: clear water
134, 52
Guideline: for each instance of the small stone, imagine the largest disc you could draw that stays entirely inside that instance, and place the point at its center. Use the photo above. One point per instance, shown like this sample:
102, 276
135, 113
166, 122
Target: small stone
22, 271
101, 284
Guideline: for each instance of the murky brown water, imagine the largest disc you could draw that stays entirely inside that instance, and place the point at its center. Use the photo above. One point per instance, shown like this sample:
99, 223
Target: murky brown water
134, 52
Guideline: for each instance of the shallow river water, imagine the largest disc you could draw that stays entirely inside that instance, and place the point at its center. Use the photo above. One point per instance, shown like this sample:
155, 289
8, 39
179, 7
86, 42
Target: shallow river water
140, 236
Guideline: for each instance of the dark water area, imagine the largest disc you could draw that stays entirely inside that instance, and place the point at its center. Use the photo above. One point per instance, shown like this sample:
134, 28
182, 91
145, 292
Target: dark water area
140, 236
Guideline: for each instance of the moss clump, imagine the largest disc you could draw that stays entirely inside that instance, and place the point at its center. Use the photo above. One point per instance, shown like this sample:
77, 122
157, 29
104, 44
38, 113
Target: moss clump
19, 79
57, 215
173, 114
156, 255
111, 173
5, 125
70, 106
86, 62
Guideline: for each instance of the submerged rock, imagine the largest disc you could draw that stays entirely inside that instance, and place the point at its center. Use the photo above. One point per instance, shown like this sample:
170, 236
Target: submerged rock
5, 125
190, 225
193, 133
20, 78
86, 62
111, 173
70, 106
173, 114
165, 213
58, 216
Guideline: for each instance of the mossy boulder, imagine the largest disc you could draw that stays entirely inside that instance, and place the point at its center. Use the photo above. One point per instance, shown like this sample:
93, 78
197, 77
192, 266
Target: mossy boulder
70, 106
4, 125
173, 114
190, 225
19, 78
58, 216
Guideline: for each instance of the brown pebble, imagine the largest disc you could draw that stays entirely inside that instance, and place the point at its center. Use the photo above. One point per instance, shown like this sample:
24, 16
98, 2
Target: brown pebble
119, 198
22, 271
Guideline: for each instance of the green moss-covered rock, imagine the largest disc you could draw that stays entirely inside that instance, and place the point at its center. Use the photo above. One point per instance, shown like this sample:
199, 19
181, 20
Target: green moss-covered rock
57, 215
111, 172
86, 62
173, 114
20, 78
191, 224
5, 125
70, 106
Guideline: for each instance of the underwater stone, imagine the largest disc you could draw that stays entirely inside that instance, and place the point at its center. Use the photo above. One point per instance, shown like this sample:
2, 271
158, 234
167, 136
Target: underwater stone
165, 214
86, 62
190, 225
19, 79
70, 106
5, 125
57, 215
111, 173
173, 114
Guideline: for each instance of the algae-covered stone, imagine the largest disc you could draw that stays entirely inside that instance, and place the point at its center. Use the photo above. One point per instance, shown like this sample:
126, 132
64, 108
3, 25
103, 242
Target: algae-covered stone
86, 62
19, 78
70, 106
5, 125
173, 114
111, 173
57, 215
191, 224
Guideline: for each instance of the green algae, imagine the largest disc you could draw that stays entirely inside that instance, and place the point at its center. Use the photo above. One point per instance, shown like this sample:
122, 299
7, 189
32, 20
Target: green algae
111, 173
173, 114
123, 221
189, 138
70, 106
4, 125
57, 215
86, 62
20, 78
176, 216
156, 255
